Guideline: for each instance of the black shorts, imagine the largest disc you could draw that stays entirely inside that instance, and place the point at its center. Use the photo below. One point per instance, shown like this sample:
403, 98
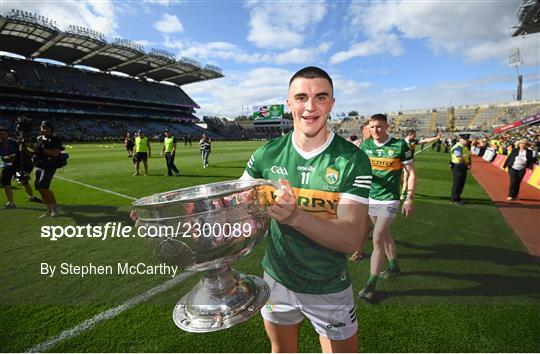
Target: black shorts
7, 174
141, 156
44, 178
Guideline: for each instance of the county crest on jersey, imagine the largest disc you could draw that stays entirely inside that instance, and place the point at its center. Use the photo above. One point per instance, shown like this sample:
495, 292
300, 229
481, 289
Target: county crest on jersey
387, 162
319, 179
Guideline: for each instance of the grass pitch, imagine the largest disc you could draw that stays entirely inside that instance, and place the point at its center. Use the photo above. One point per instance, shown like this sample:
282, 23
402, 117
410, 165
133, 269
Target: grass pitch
467, 283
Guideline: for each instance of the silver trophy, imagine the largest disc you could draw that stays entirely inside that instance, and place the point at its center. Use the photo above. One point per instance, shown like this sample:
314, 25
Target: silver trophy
207, 228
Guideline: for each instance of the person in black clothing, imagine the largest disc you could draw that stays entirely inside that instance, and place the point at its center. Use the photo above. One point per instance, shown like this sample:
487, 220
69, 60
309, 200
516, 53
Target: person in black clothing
517, 162
130, 144
11, 166
47, 151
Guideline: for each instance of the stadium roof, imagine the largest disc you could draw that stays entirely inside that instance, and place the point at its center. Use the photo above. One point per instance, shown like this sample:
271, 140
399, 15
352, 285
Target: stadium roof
528, 15
34, 36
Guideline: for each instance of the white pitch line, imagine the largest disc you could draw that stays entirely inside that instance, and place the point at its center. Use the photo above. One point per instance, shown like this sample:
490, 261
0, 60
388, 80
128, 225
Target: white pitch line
107, 315
96, 188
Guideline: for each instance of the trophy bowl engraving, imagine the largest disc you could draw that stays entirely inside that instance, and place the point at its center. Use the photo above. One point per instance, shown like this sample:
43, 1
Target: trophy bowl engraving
206, 228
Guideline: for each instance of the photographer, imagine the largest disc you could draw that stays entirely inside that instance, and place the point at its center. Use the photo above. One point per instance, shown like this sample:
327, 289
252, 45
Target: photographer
12, 164
47, 159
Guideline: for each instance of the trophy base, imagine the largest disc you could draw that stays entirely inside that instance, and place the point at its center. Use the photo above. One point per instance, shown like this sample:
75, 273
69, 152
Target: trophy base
222, 298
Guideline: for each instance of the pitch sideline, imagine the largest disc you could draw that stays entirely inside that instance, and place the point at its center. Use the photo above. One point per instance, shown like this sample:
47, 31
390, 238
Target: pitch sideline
96, 188
107, 315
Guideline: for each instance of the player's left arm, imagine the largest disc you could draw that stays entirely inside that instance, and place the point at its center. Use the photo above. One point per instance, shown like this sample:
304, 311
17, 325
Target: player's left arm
406, 158
341, 234
431, 139
149, 149
407, 207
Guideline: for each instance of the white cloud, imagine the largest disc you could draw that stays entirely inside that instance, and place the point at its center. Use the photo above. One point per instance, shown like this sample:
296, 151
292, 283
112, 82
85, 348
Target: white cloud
164, 2
383, 43
478, 30
169, 24
230, 94
231, 52
301, 55
145, 42
100, 16
282, 25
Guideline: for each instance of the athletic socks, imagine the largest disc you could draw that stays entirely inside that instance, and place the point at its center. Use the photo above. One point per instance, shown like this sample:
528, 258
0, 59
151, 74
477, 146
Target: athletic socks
392, 263
372, 280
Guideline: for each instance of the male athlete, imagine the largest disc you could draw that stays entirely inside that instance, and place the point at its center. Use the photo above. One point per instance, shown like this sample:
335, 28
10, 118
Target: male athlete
388, 156
316, 217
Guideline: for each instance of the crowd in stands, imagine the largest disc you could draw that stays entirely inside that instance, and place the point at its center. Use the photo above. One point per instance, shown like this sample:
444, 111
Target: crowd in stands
504, 143
57, 79
225, 128
71, 128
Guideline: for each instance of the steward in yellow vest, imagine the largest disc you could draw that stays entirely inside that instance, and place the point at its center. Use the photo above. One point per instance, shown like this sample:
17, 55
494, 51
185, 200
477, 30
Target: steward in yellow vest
169, 150
142, 152
461, 162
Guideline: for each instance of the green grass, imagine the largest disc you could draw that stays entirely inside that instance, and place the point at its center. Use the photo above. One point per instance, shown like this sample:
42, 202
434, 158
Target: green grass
467, 284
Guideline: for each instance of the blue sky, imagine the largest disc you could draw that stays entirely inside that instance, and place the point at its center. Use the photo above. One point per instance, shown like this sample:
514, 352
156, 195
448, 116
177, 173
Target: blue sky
383, 55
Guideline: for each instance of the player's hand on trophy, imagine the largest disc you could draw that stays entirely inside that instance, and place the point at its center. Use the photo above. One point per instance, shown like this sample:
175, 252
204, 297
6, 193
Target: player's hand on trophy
133, 215
284, 209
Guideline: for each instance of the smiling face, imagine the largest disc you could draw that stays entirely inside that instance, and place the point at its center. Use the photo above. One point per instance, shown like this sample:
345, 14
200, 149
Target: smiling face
310, 102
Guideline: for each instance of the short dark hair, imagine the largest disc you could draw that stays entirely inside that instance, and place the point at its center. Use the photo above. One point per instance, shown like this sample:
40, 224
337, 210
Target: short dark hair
312, 72
3, 129
411, 131
379, 116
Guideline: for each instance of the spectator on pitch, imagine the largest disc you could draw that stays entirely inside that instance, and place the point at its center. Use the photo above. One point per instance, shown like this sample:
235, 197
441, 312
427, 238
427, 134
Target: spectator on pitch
517, 162
461, 162
130, 143
411, 141
388, 157
143, 152
169, 150
205, 144
304, 262
47, 152
11, 164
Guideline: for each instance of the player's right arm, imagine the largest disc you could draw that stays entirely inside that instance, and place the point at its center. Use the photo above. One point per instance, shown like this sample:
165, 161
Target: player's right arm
252, 170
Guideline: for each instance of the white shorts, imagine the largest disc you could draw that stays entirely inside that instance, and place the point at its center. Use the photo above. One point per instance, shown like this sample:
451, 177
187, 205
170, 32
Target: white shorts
386, 209
333, 315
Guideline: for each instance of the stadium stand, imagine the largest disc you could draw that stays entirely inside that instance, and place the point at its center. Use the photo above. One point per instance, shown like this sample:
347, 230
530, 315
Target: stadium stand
96, 103
225, 129
528, 15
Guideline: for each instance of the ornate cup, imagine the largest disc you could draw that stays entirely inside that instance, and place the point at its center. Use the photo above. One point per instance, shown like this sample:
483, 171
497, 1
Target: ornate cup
206, 228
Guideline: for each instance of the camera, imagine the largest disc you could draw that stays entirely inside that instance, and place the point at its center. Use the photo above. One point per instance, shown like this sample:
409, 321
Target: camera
23, 129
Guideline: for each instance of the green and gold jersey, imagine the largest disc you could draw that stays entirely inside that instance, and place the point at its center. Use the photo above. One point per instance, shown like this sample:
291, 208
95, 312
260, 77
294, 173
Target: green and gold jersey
412, 145
387, 162
320, 179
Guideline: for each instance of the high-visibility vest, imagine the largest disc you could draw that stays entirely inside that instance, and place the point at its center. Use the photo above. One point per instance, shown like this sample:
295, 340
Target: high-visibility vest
141, 144
168, 143
465, 153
